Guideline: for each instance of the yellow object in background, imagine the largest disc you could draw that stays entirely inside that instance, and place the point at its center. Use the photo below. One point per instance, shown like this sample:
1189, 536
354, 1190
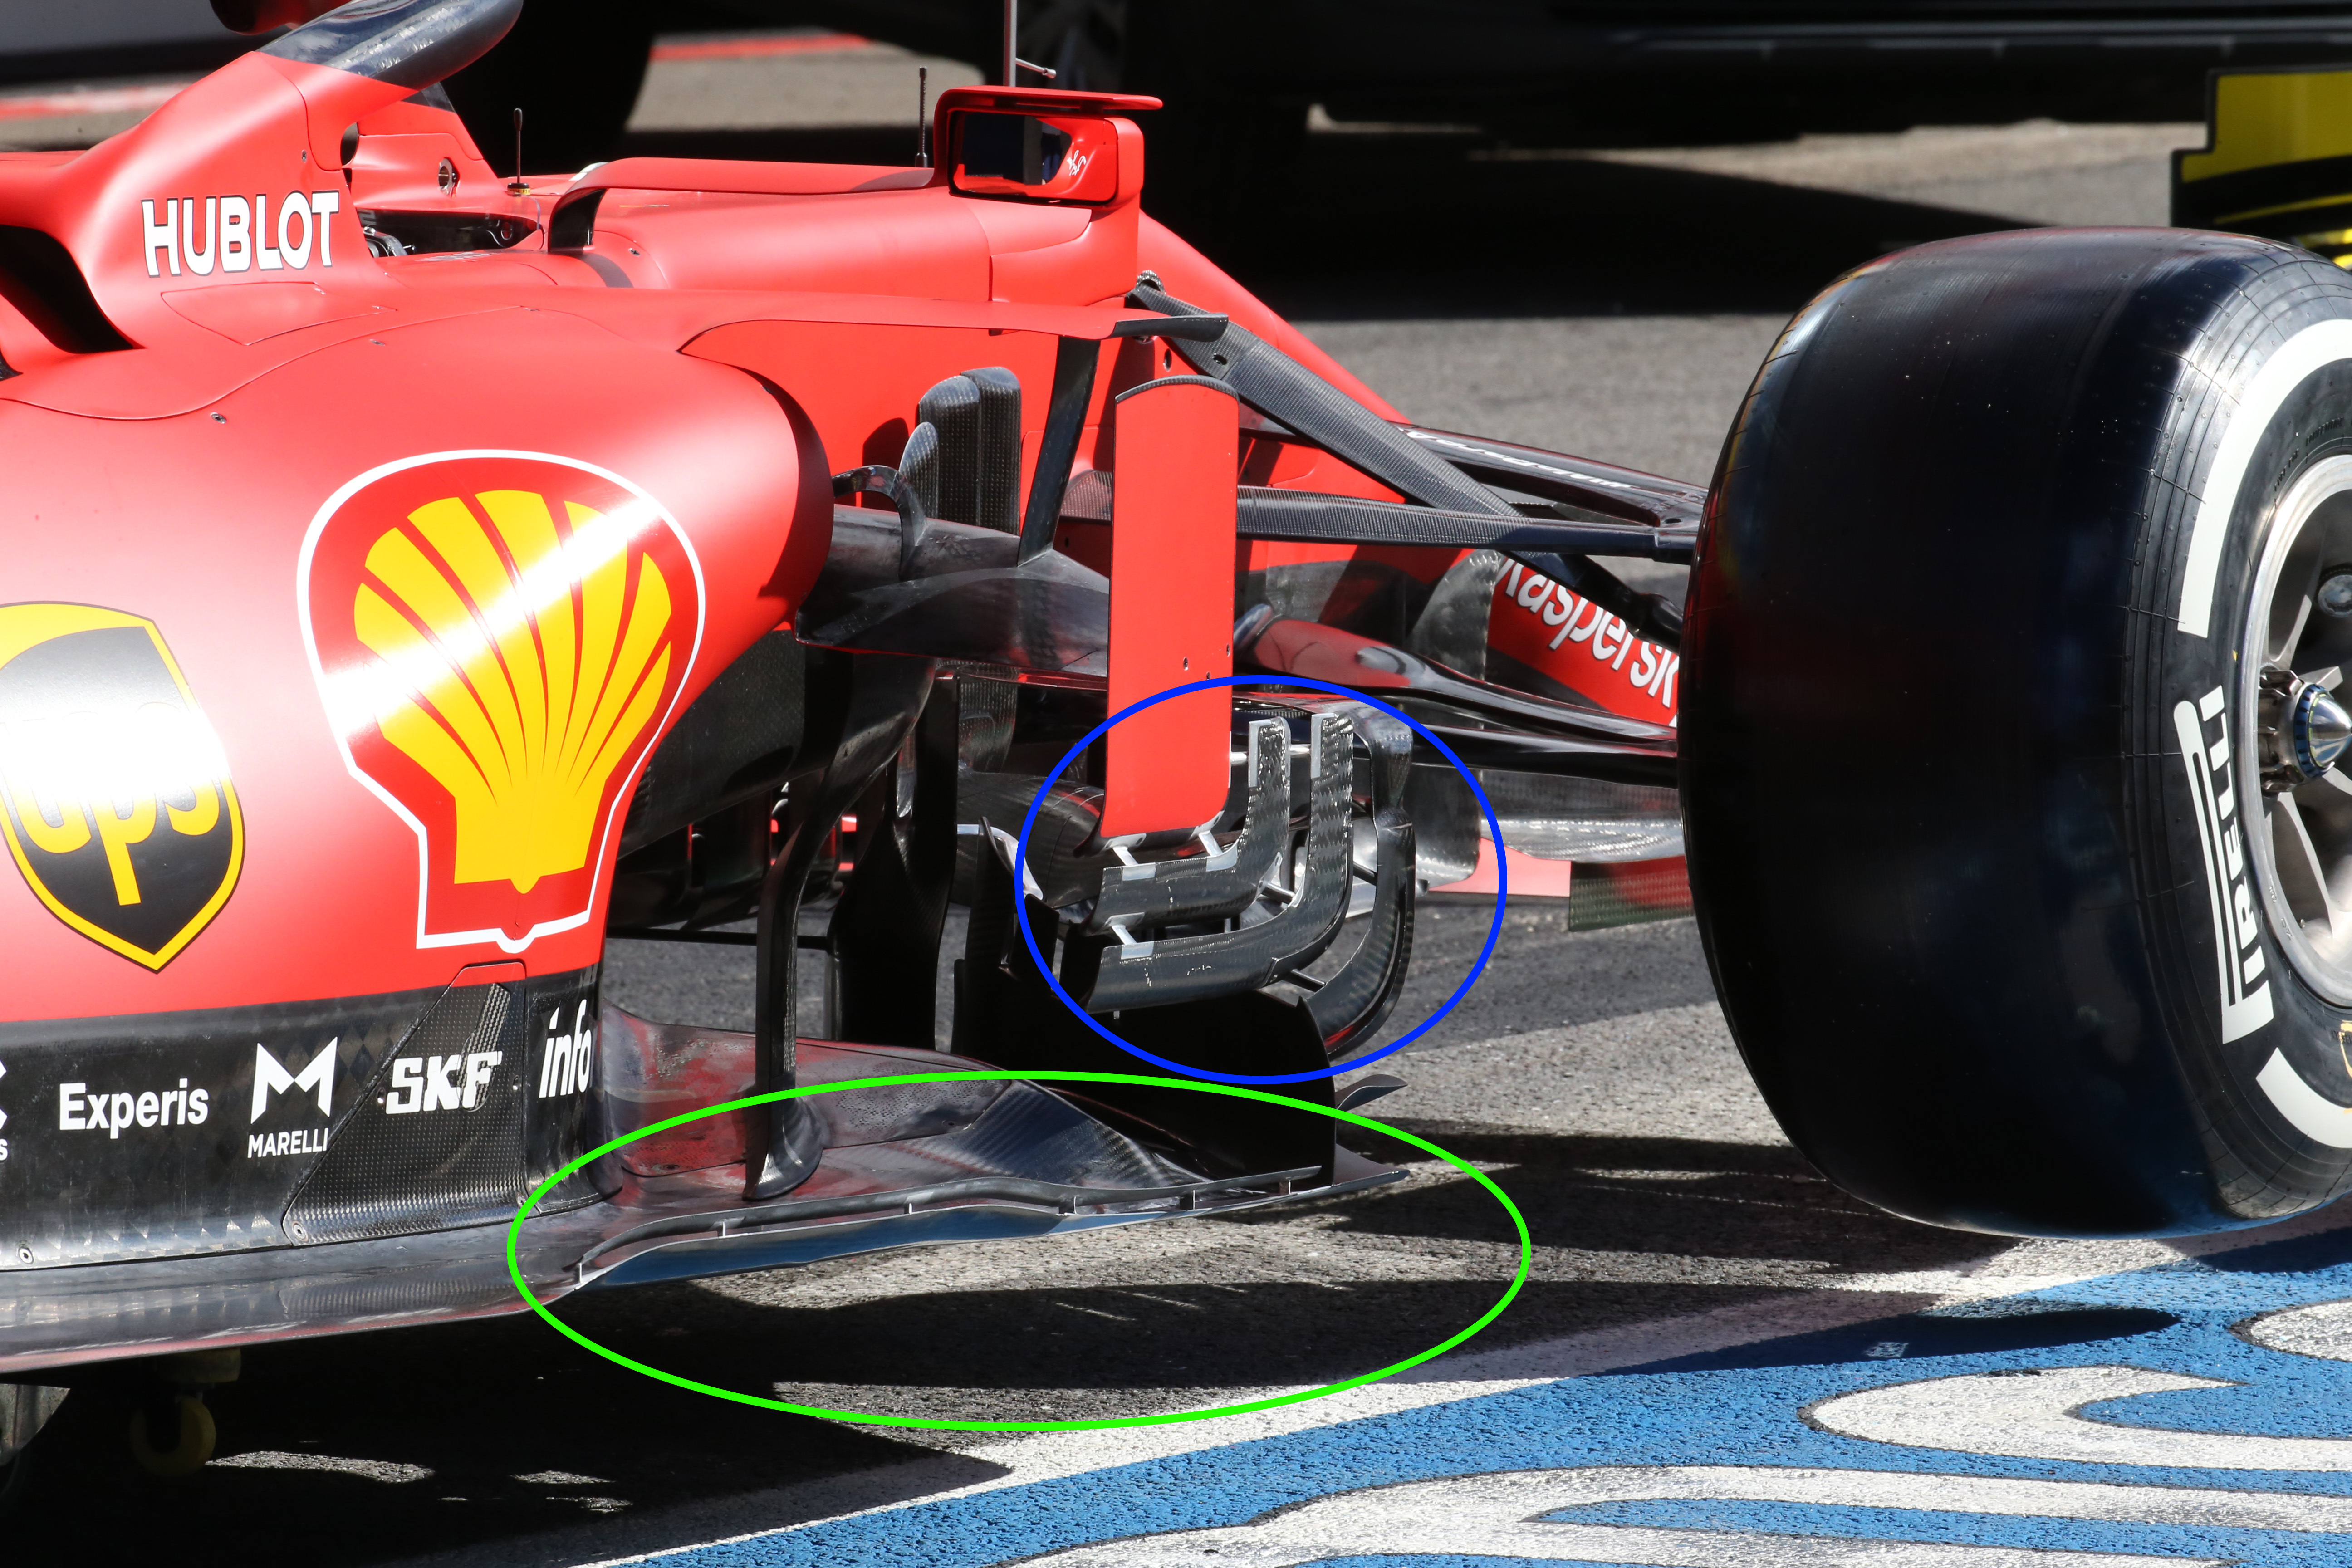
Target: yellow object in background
2277, 159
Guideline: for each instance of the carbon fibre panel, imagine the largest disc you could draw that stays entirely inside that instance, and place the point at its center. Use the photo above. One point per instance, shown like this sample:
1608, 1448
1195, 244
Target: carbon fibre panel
971, 1161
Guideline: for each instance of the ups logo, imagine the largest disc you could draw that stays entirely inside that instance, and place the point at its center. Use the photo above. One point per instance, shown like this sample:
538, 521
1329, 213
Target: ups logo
114, 792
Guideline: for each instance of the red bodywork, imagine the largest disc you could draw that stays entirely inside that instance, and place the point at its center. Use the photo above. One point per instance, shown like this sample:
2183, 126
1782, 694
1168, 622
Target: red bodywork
178, 480
349, 594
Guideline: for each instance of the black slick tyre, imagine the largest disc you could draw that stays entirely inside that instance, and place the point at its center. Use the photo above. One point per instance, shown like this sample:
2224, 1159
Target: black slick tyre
2021, 906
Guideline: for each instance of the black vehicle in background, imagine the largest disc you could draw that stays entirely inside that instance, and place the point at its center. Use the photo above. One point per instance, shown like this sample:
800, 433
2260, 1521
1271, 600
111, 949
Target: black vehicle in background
1240, 75
1647, 72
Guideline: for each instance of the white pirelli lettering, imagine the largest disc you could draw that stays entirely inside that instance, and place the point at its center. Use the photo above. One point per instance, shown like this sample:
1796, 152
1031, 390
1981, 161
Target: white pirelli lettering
2245, 1001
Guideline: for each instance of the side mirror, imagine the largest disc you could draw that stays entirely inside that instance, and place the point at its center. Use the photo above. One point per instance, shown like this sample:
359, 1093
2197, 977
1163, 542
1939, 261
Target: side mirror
1054, 158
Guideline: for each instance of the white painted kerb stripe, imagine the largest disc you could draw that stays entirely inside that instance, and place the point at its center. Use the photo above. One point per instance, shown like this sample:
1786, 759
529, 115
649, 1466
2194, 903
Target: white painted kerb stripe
2041, 1417
2309, 350
1502, 1515
913, 1486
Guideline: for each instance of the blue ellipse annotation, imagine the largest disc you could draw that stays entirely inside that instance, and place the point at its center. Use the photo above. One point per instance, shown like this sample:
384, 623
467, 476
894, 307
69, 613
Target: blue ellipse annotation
1494, 830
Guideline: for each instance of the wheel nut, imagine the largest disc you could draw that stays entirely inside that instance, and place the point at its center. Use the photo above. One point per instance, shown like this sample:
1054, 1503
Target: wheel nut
2303, 730
2320, 728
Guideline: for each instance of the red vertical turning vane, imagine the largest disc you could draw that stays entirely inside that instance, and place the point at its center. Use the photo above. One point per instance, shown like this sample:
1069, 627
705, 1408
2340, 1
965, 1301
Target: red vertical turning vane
1171, 603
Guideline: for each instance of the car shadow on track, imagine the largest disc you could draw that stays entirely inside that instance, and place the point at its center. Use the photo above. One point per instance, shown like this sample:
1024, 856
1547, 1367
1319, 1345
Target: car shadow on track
421, 1440
414, 1441
1627, 1230
1752, 1211
1434, 225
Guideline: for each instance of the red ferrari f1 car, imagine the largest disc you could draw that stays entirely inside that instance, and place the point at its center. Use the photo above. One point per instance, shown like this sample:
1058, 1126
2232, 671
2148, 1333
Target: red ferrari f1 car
416, 579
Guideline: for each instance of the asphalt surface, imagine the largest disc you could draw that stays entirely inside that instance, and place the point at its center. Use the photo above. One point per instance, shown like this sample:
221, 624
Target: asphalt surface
1614, 306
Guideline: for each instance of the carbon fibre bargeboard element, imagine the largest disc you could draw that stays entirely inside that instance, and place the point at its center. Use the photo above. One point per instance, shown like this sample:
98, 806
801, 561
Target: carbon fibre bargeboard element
1169, 892
996, 474
436, 1135
734, 742
968, 597
951, 408
917, 1164
1188, 968
1353, 1003
976, 479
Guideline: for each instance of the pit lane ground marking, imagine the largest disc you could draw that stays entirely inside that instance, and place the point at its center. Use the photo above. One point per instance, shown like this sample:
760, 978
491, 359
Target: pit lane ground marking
1654, 1410
91, 100
757, 45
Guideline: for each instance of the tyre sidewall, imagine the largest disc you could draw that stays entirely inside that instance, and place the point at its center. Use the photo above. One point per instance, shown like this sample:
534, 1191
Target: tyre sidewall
2242, 1012
1957, 893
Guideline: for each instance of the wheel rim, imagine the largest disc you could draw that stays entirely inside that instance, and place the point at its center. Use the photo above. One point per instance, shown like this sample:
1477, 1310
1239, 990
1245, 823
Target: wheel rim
2300, 828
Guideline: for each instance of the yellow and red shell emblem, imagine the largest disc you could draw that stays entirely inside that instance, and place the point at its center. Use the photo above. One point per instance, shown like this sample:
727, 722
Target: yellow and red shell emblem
500, 637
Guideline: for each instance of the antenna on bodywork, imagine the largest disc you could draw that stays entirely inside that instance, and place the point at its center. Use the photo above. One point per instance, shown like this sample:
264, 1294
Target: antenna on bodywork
1013, 64
922, 116
516, 186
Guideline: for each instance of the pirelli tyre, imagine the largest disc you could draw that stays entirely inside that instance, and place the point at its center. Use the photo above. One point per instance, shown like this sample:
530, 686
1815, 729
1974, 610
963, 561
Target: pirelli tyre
2016, 839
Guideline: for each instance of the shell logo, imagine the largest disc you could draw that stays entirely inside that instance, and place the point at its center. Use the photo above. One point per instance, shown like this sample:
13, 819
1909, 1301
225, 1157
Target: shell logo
499, 638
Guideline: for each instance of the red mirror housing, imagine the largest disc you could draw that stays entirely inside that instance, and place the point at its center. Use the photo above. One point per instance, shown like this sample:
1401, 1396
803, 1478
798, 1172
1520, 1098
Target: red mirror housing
1056, 158
1041, 144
